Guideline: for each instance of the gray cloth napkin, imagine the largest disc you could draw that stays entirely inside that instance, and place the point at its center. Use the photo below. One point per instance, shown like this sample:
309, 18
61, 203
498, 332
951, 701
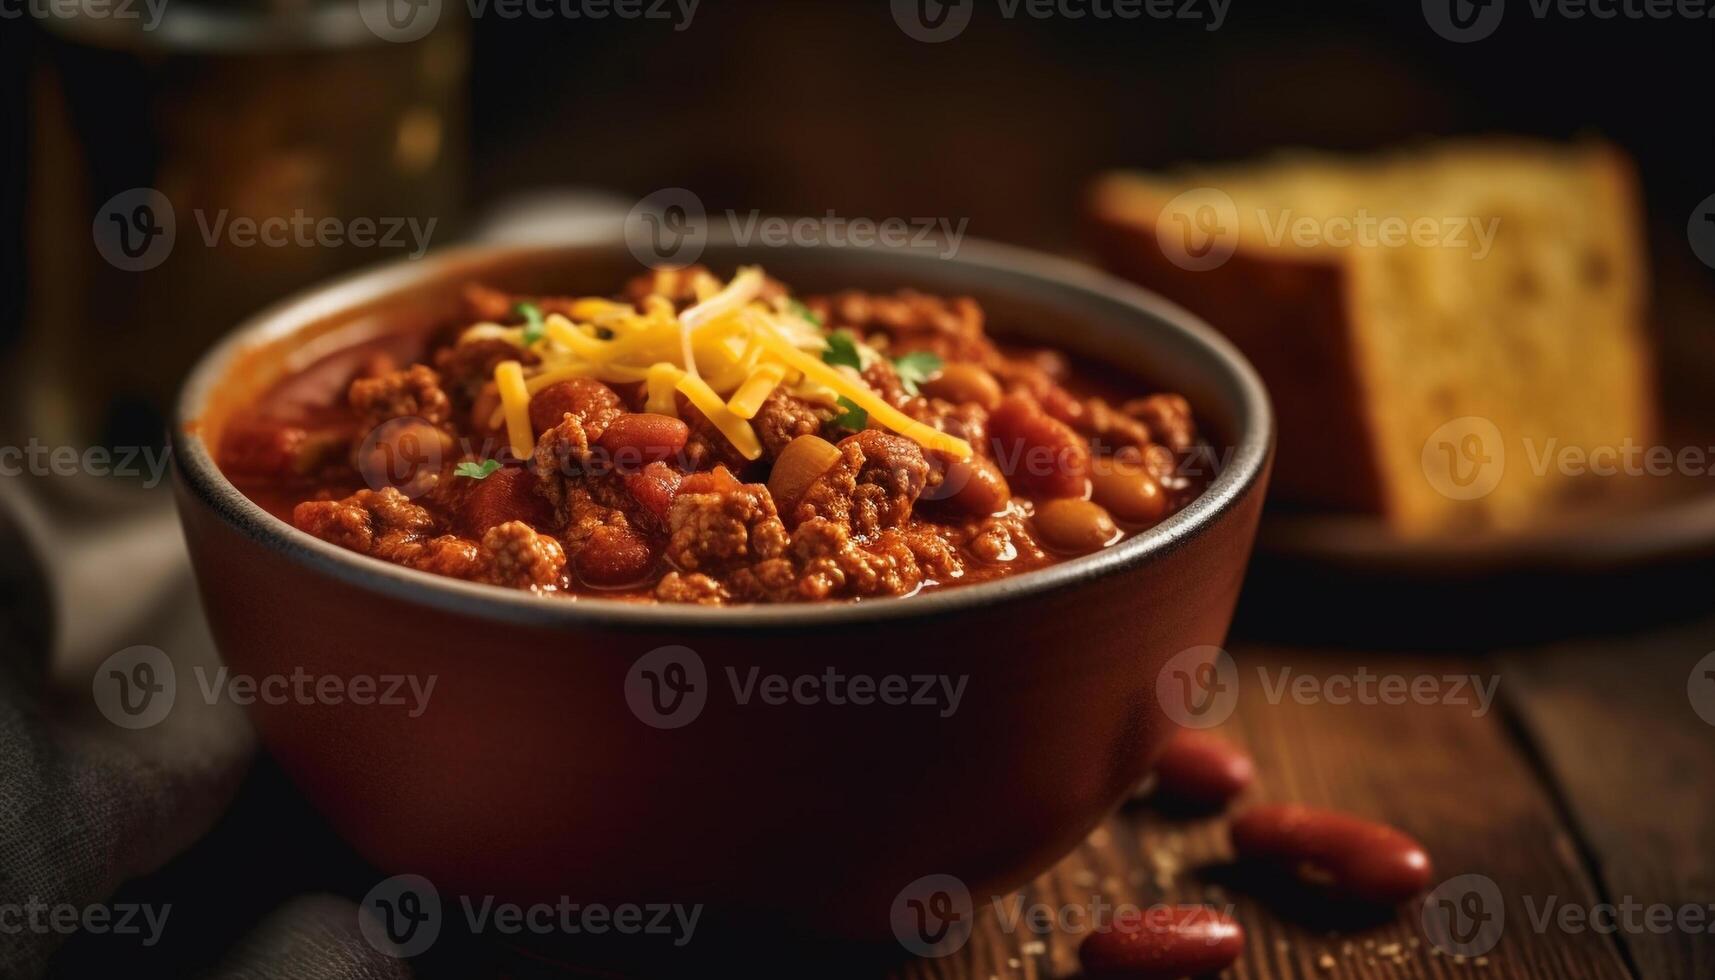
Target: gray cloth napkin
86, 803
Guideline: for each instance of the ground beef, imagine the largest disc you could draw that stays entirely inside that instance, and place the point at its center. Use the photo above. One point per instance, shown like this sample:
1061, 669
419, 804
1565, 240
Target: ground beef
1169, 420
873, 486
882, 376
364, 519
385, 524
835, 565
469, 365
497, 306
951, 328
414, 391
516, 555
707, 446
1002, 539
563, 451
783, 418
718, 525
695, 588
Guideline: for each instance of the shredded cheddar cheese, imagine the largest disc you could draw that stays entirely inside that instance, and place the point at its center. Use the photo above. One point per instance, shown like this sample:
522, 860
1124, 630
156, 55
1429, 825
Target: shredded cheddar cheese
515, 403
726, 353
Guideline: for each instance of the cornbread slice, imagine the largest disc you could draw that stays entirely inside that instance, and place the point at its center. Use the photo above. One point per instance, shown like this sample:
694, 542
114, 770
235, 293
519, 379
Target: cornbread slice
1436, 327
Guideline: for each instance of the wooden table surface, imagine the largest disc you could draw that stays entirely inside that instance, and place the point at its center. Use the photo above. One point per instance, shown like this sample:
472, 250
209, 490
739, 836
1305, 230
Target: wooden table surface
1589, 782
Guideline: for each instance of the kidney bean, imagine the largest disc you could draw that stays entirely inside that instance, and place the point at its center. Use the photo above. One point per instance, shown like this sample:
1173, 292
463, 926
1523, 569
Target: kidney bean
1162, 943
586, 398
1038, 453
643, 437
1201, 770
614, 557
653, 487
1344, 854
507, 494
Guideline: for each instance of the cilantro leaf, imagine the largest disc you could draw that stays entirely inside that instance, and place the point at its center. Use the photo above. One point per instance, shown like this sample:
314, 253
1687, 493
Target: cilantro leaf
477, 471
916, 368
803, 312
533, 327
853, 418
842, 350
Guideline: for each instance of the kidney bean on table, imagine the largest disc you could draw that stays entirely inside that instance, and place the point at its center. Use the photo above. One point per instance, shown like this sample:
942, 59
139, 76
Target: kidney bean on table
1202, 770
1162, 943
1347, 855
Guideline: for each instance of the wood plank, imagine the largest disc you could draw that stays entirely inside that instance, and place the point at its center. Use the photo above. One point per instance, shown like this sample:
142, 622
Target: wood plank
1446, 773
1616, 723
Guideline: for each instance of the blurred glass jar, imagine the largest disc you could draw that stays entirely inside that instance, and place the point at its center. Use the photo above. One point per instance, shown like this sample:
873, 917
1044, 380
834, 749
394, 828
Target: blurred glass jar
199, 159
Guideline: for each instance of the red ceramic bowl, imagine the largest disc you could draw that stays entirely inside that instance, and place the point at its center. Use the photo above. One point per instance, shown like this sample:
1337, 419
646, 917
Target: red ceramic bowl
531, 776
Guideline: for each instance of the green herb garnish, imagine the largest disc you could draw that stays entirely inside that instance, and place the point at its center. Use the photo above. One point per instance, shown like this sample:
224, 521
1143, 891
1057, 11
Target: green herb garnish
803, 312
853, 418
477, 471
533, 326
916, 368
842, 351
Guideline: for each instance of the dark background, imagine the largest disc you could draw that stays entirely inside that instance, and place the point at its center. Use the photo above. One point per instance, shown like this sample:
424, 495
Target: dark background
802, 107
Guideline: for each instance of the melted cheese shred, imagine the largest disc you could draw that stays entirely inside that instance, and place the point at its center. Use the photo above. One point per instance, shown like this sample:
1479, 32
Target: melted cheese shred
748, 399
515, 403
726, 354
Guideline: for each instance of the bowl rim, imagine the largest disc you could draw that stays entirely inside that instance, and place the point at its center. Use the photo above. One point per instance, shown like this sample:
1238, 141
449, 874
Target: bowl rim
197, 473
